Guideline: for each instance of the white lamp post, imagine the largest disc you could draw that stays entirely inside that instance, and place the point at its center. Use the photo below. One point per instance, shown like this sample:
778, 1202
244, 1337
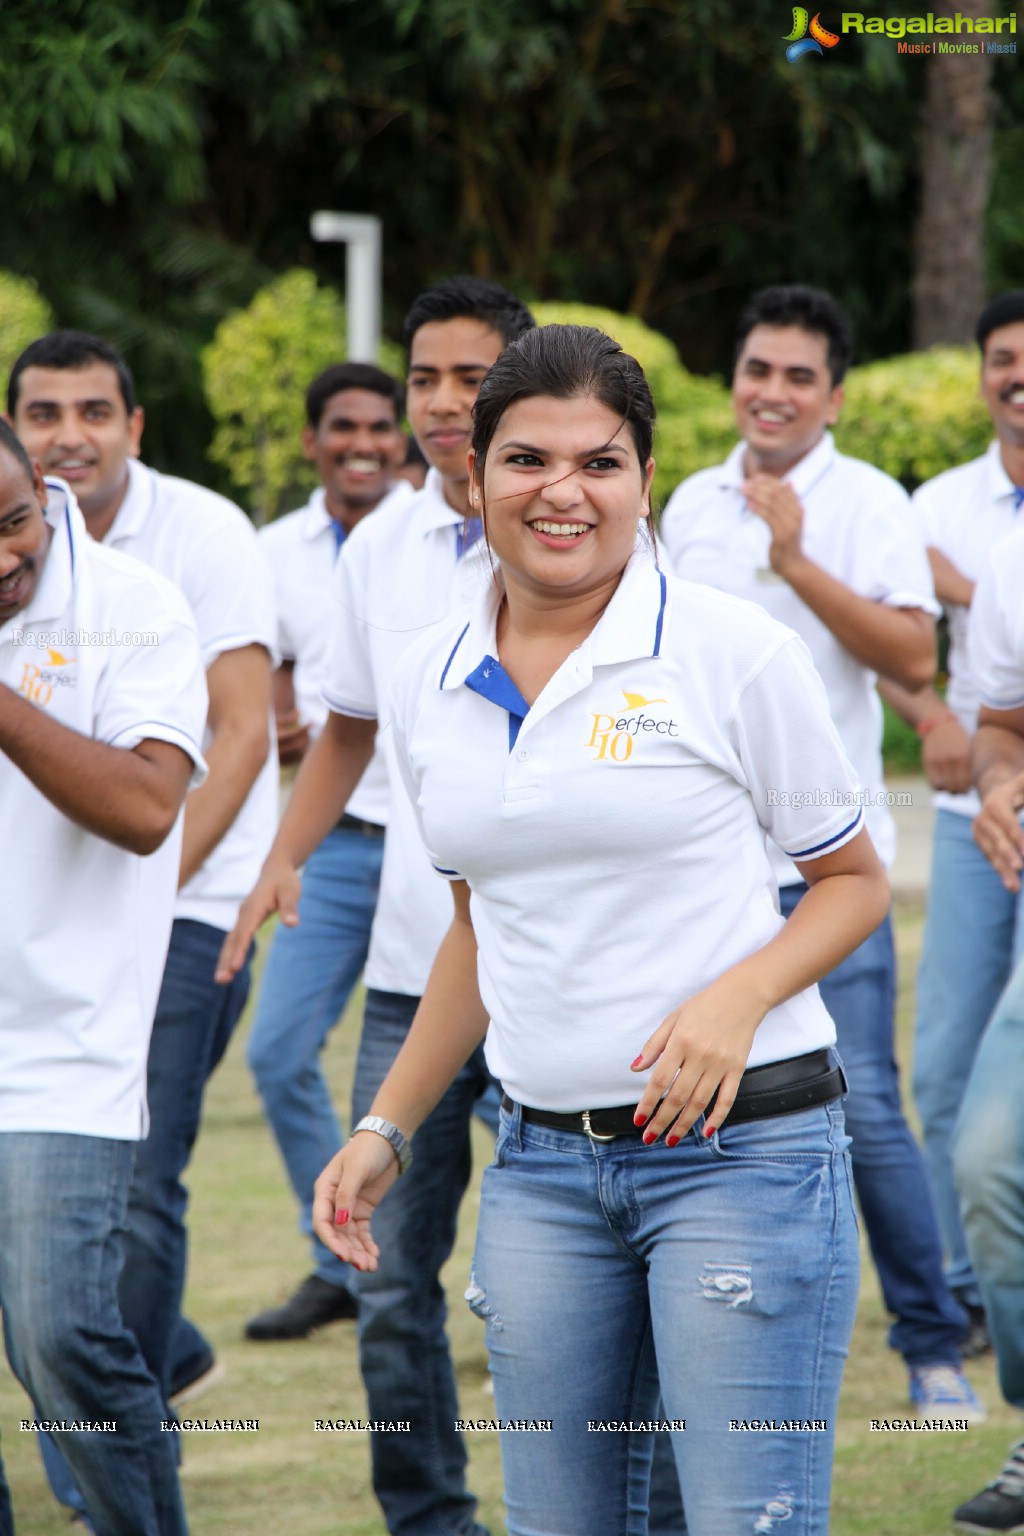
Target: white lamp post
361, 234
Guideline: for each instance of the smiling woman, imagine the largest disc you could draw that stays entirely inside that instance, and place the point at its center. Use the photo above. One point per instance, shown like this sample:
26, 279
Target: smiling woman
594, 754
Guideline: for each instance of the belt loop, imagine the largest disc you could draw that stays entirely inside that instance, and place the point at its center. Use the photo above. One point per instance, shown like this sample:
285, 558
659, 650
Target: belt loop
515, 1128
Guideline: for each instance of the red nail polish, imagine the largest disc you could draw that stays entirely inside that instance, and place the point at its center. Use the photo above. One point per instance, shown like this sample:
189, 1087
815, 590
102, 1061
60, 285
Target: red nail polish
709, 1131
341, 1217
649, 1136
639, 1119
638, 1060
672, 1141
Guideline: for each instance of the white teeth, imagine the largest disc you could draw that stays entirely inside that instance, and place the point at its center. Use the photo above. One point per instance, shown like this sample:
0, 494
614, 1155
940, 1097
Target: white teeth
1016, 397
363, 466
770, 416
561, 530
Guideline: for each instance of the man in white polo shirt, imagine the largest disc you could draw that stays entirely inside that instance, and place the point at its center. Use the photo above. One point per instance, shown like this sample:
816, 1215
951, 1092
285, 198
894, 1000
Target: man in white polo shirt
102, 704
827, 545
973, 929
71, 400
353, 435
988, 1142
399, 572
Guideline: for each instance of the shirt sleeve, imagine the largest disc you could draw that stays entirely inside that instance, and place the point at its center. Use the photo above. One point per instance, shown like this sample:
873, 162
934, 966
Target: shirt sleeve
888, 561
805, 791
155, 690
231, 592
996, 635
349, 686
406, 685
927, 506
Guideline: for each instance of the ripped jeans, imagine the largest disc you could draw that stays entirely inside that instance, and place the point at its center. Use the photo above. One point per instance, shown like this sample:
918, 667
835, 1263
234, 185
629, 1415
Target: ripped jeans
728, 1268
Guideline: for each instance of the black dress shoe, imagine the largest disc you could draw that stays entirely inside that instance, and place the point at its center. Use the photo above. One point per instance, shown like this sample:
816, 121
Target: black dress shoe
315, 1303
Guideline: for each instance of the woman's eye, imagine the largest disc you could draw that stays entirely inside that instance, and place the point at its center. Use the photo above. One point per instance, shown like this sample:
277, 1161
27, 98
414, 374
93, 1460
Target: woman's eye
528, 459
604, 464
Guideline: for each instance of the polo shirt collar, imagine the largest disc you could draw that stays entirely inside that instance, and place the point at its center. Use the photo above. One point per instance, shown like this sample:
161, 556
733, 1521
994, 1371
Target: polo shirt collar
139, 501
317, 519
804, 475
56, 584
434, 511
630, 628
1000, 484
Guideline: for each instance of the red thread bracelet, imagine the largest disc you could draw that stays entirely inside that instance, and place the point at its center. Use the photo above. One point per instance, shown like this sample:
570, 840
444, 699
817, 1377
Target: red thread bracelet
929, 725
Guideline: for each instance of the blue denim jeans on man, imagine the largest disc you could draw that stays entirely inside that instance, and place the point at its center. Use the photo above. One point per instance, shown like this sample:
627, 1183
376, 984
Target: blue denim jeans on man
194, 1021
725, 1268
419, 1478
888, 1168
308, 978
988, 1156
62, 1215
974, 931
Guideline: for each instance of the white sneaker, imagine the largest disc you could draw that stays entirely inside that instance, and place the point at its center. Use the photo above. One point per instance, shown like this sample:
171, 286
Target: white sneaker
943, 1392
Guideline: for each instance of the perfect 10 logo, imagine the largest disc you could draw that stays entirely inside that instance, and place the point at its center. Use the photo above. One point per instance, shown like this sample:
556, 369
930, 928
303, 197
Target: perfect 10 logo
808, 35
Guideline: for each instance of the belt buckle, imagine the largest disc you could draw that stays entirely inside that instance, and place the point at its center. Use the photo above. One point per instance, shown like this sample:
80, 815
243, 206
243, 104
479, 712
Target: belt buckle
594, 1135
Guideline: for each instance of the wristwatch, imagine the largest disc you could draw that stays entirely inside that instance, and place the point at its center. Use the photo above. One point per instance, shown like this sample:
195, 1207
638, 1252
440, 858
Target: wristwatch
392, 1135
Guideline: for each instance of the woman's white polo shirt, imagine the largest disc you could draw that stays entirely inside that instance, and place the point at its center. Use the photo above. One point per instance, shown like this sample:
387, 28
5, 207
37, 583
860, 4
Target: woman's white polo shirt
615, 840
108, 648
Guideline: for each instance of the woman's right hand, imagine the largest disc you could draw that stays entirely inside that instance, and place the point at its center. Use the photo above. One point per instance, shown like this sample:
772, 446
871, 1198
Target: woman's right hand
348, 1192
277, 890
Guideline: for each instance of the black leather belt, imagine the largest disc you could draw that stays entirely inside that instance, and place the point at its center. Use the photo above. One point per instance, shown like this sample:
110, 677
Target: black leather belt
357, 824
778, 1088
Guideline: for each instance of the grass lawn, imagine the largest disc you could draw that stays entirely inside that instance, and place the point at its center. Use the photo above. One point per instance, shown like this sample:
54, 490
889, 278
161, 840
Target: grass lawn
287, 1480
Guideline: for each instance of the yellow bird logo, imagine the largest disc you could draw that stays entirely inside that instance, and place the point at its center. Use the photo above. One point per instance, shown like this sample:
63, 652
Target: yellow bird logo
57, 660
638, 701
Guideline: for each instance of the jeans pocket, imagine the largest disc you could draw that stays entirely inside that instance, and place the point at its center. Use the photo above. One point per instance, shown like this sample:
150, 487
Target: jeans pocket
800, 1137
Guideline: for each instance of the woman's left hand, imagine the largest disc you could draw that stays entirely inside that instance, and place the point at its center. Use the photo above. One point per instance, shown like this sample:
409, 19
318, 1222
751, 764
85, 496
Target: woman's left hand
700, 1046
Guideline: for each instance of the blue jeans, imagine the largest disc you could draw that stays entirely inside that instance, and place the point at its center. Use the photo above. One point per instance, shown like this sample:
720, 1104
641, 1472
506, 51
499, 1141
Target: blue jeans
193, 1024
888, 1168
973, 932
307, 980
988, 1161
62, 1215
419, 1478
726, 1268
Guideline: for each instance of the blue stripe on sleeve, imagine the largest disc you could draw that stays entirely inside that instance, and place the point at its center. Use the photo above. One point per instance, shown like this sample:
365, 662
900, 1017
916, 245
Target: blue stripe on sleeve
807, 853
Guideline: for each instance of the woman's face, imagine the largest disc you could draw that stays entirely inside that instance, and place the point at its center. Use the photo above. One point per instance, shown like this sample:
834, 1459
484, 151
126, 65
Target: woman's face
563, 494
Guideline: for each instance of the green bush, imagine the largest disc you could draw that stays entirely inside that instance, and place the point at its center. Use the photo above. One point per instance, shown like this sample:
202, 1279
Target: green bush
256, 371
24, 315
914, 416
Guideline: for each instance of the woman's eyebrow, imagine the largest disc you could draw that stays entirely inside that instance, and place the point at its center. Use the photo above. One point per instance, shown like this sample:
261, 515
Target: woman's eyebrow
588, 453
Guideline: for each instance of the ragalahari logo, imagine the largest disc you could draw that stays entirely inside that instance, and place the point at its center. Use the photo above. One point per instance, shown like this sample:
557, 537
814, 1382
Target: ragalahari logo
798, 40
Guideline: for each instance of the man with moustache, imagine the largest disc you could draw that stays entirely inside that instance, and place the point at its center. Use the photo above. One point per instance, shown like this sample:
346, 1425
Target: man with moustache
102, 706
826, 544
974, 928
353, 436
399, 572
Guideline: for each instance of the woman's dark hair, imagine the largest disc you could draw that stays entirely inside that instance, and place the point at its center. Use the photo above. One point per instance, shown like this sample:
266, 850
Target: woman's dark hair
566, 362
